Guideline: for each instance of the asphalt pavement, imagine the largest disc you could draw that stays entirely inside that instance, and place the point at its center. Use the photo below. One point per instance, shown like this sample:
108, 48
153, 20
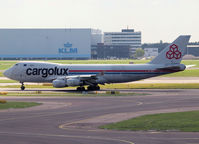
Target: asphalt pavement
75, 120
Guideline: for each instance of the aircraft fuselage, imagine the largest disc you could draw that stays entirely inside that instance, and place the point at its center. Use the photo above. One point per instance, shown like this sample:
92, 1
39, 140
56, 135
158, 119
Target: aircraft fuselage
108, 73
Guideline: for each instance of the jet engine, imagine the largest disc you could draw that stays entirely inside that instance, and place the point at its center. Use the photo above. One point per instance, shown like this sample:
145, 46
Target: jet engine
73, 82
59, 83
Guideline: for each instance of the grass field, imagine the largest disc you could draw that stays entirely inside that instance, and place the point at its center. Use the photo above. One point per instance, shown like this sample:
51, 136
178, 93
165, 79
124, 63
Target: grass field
186, 62
8, 81
1, 74
180, 121
186, 73
16, 105
6, 64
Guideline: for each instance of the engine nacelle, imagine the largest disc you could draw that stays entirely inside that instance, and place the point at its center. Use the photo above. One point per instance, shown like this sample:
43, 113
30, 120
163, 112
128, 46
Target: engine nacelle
62, 82
73, 82
59, 83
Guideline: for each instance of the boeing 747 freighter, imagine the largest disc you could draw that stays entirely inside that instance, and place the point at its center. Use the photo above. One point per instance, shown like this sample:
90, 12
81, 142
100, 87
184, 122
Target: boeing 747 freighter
65, 75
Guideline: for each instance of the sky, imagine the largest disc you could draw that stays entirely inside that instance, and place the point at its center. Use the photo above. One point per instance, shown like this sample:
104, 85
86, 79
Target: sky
156, 19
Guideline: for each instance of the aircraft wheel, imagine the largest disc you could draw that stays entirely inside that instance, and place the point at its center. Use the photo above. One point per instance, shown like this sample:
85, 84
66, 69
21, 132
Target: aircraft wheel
97, 87
22, 88
80, 88
90, 88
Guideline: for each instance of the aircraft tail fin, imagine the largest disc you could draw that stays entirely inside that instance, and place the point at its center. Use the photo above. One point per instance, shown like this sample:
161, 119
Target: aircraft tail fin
174, 52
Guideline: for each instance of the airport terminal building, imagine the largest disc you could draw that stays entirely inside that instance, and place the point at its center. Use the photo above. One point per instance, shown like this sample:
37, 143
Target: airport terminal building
48, 43
128, 37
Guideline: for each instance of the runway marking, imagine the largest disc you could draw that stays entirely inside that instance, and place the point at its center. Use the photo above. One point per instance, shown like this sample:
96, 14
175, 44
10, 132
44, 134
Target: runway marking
70, 123
139, 103
155, 132
136, 114
72, 136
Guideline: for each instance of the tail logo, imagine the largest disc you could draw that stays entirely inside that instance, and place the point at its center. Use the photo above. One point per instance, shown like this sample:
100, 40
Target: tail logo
173, 52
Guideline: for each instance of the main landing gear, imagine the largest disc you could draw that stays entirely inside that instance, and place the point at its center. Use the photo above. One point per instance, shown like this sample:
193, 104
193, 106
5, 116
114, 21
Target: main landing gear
22, 86
80, 88
90, 88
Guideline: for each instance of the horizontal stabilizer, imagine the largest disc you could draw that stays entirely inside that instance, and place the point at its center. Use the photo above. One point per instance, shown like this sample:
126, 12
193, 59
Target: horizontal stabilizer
189, 66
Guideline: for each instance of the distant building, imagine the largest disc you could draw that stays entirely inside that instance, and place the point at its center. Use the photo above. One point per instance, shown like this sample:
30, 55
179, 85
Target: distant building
150, 52
125, 37
160, 46
192, 47
101, 51
48, 43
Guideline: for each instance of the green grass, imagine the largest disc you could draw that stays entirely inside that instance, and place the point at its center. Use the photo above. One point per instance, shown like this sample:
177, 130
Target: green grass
180, 121
16, 105
186, 62
99, 61
6, 64
191, 62
186, 73
1, 74
8, 81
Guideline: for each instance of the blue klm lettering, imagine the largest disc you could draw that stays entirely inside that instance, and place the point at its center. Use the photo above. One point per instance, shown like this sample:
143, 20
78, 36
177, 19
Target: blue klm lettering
67, 49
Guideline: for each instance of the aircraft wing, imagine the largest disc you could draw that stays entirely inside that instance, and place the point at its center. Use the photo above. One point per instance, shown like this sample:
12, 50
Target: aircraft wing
83, 77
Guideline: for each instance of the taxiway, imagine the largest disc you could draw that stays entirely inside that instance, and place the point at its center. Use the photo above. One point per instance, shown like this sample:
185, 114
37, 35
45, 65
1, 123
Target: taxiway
74, 120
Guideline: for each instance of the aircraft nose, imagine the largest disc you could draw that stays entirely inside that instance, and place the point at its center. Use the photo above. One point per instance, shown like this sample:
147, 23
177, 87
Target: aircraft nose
8, 73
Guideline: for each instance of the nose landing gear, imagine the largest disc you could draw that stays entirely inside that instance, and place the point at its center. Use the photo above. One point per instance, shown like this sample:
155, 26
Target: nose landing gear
22, 86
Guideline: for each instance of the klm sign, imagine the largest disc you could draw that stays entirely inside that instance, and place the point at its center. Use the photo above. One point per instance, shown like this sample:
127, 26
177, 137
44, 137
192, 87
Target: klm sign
68, 49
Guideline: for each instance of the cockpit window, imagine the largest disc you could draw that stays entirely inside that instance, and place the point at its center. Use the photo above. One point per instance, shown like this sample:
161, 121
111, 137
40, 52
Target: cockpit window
25, 65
